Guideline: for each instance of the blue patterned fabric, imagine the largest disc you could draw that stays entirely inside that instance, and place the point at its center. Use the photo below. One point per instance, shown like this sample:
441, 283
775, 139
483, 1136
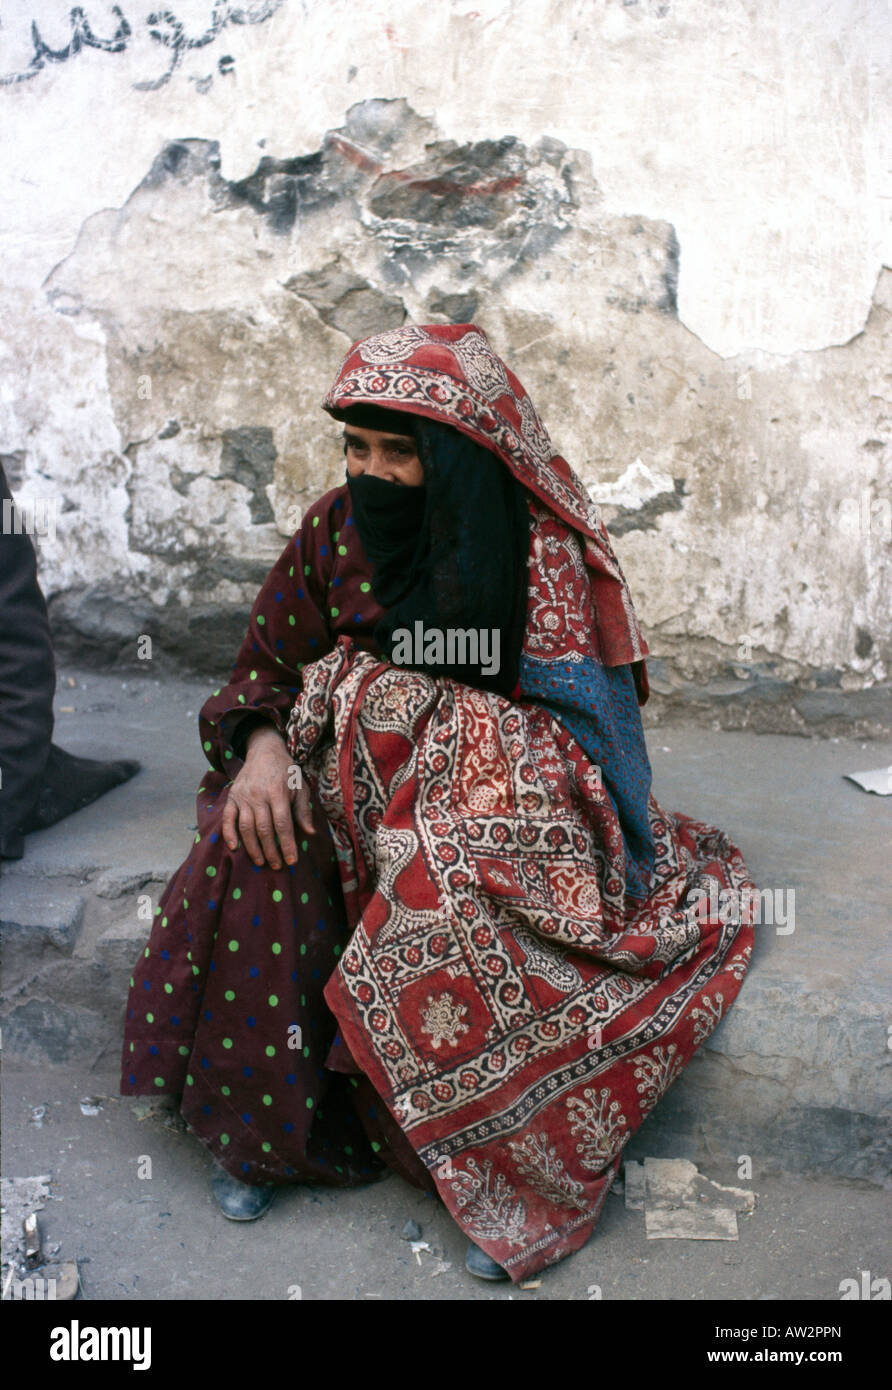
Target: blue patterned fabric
598, 705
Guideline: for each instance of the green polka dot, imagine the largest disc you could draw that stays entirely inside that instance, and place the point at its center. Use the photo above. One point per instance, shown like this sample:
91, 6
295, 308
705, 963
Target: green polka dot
225, 1091
195, 970
183, 1051
188, 955
131, 981
168, 989
185, 902
197, 838
306, 569
253, 676
335, 535
157, 912
159, 1080
348, 1151
236, 893
303, 1000
291, 620
303, 950
150, 1018
365, 588
164, 921
273, 1000
303, 844
315, 521
266, 1147
376, 1146
335, 612
227, 753
241, 699
291, 572
276, 948
267, 1100
261, 620
233, 945
227, 1043
224, 1138
306, 1052
337, 950
189, 1081
216, 692
342, 550
229, 995
305, 897
131, 1047
211, 871
270, 1050
277, 895
309, 1102
207, 747
146, 952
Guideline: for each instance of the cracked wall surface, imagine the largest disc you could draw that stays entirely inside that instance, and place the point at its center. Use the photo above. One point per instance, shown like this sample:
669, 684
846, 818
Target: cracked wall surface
174, 311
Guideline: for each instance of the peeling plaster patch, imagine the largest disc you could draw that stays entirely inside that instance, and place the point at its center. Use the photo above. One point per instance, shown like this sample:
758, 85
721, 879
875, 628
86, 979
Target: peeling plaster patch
249, 456
347, 302
637, 485
637, 498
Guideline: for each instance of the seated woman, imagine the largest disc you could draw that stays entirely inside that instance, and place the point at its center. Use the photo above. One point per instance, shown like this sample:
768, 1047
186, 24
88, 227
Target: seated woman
433, 917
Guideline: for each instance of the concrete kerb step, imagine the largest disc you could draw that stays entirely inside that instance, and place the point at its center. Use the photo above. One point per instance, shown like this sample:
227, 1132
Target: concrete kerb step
799, 1075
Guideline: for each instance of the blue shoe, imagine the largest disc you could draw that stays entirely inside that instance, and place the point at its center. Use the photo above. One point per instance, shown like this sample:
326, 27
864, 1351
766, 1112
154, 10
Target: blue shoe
479, 1263
239, 1201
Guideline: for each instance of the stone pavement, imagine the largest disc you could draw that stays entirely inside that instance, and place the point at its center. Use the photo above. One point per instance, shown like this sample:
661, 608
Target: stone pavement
797, 1078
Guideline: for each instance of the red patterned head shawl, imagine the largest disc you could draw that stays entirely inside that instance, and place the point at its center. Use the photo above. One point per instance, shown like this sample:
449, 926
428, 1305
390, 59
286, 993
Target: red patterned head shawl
450, 373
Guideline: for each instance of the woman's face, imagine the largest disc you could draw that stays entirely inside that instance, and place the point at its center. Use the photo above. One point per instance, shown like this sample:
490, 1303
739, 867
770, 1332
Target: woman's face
393, 457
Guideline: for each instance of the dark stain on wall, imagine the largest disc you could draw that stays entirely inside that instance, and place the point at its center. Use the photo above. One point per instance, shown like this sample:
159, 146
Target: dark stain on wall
248, 456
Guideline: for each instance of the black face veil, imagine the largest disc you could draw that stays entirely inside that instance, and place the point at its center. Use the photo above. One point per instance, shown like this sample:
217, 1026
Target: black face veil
451, 554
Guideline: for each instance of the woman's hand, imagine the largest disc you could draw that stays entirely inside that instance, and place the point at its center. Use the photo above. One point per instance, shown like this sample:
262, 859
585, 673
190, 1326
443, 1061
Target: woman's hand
262, 805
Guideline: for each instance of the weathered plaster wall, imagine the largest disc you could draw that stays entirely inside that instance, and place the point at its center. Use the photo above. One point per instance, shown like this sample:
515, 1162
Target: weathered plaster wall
671, 218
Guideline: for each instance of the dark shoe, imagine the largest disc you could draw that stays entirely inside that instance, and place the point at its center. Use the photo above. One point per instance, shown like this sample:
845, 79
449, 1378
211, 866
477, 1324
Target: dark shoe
70, 783
479, 1263
239, 1201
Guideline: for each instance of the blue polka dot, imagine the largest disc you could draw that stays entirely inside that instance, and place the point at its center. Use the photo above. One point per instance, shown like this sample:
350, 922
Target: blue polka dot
132, 1080
205, 1063
153, 1052
251, 1022
214, 838
165, 955
323, 550
211, 905
253, 972
146, 985
248, 1071
205, 1110
247, 1118
246, 1167
207, 1015
300, 593
279, 596
337, 581
288, 1127
175, 1020
255, 920
321, 924
339, 502
290, 1079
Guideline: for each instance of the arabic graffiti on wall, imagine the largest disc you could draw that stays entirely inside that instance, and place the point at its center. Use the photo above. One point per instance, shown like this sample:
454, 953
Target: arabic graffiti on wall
163, 28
